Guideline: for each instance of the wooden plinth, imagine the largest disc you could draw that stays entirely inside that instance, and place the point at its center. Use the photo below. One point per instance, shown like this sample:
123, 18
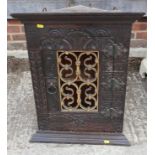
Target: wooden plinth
80, 138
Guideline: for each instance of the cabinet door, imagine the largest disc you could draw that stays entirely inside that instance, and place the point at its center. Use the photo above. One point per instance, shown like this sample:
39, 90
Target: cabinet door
82, 73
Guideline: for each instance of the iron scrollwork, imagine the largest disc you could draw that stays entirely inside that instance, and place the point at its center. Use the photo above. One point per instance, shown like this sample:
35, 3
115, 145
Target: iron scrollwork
78, 73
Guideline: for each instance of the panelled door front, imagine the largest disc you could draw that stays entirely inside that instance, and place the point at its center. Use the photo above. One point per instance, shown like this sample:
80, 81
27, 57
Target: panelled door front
84, 70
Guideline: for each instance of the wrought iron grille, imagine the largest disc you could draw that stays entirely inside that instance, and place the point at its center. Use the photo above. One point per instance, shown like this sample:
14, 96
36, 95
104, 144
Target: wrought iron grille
78, 73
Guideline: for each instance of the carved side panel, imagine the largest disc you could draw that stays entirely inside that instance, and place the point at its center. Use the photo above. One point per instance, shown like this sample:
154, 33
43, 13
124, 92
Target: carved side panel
36, 67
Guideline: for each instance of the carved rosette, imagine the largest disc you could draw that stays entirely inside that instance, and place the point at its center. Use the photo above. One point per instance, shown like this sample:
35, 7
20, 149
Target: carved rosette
78, 73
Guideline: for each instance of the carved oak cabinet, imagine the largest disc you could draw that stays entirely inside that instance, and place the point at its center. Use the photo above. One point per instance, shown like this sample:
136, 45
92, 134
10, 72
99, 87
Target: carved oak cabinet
78, 61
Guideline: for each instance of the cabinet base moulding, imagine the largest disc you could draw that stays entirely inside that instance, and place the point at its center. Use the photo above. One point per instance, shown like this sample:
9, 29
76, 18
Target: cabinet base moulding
80, 138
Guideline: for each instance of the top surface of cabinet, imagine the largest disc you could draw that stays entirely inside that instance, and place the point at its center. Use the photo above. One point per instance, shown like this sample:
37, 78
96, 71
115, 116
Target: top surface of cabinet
79, 13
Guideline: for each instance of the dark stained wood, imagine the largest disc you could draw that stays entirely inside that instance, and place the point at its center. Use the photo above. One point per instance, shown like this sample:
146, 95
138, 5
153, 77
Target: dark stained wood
82, 138
67, 18
108, 33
